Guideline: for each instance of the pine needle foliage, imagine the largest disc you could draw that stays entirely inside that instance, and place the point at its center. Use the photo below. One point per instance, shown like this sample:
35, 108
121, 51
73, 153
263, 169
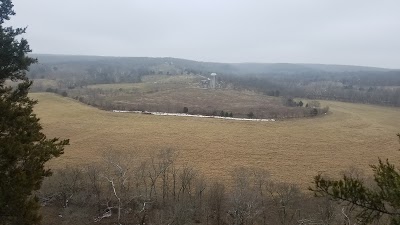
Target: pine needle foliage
24, 149
372, 202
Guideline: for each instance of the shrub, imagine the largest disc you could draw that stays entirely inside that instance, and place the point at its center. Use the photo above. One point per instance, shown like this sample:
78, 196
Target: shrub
314, 112
250, 115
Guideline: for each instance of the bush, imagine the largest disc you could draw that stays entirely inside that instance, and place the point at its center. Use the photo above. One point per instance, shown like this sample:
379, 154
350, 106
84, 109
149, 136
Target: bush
250, 115
314, 112
52, 90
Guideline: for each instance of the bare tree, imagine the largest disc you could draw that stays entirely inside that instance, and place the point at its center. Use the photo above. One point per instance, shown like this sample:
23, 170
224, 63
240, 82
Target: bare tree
95, 184
141, 183
66, 183
117, 175
216, 203
261, 180
186, 177
285, 198
154, 173
167, 158
244, 199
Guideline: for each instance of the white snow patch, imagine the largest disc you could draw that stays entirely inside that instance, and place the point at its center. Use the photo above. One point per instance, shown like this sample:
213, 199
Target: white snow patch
190, 115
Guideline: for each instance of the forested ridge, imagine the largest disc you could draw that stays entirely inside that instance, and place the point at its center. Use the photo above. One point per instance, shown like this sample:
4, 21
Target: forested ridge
360, 84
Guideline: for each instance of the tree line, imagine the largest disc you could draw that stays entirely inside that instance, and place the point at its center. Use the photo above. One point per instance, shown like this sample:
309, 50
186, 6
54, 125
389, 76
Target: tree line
159, 190
342, 83
371, 88
163, 190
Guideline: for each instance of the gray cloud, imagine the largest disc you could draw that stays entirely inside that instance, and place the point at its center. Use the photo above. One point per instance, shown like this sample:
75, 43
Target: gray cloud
360, 32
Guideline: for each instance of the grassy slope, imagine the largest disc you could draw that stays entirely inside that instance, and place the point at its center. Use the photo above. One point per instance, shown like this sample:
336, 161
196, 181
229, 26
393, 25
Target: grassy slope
292, 150
172, 93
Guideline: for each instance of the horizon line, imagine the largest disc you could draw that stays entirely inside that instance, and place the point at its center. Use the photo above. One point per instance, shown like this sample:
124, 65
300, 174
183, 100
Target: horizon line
298, 63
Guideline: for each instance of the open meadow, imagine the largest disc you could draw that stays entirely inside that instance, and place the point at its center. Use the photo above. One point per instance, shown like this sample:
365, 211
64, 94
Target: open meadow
294, 150
162, 93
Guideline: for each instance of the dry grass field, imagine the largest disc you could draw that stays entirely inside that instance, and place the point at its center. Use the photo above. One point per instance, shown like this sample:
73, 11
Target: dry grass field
171, 93
151, 82
291, 150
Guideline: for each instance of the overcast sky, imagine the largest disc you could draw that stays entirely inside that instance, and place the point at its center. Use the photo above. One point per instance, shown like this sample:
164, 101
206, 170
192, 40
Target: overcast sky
357, 32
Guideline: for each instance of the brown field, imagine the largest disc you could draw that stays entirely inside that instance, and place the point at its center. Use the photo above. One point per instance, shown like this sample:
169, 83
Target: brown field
292, 150
151, 83
172, 93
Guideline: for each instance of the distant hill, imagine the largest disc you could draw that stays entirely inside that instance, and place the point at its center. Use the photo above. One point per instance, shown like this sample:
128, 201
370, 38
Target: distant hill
316, 81
175, 65
291, 68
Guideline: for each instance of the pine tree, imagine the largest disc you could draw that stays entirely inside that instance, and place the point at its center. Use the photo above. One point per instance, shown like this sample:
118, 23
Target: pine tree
372, 203
24, 149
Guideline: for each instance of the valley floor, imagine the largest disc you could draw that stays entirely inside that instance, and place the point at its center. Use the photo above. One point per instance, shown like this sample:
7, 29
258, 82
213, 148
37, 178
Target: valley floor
352, 135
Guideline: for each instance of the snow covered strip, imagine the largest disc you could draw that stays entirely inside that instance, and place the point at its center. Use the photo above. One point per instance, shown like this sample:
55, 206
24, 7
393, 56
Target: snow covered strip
190, 115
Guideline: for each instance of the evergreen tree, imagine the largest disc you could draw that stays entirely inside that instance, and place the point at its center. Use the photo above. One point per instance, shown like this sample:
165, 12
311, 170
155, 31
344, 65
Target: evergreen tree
373, 203
24, 149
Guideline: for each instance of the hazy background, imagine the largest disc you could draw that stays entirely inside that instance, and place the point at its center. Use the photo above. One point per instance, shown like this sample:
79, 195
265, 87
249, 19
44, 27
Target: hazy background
358, 32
